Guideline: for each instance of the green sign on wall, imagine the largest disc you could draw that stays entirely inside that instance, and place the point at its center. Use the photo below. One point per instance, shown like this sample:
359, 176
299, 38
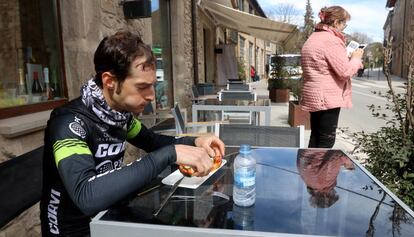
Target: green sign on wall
157, 50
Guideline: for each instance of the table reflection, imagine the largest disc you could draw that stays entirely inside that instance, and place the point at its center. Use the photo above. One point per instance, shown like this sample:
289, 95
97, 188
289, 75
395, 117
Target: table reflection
319, 170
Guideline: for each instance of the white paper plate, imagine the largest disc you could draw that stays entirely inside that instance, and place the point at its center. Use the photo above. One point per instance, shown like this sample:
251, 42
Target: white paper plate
188, 182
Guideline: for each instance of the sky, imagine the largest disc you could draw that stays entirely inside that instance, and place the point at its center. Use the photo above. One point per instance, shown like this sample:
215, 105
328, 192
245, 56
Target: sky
367, 16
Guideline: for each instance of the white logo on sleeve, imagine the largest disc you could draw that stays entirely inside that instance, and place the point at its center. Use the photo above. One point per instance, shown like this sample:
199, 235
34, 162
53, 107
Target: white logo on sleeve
105, 150
52, 211
77, 129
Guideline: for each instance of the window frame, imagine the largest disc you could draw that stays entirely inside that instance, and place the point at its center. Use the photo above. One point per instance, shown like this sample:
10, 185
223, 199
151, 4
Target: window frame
242, 43
14, 111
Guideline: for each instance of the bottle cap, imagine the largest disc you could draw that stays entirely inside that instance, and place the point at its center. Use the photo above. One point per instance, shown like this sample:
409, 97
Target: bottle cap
244, 148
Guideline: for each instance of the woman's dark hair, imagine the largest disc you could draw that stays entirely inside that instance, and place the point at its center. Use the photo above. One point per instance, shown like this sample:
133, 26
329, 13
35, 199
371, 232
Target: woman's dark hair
115, 54
329, 15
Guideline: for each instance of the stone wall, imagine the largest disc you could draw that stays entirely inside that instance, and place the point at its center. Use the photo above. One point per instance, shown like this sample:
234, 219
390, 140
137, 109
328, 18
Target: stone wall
182, 61
206, 35
84, 23
402, 30
10, 39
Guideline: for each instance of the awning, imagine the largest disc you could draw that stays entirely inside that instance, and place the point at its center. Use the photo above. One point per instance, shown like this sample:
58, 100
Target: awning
259, 27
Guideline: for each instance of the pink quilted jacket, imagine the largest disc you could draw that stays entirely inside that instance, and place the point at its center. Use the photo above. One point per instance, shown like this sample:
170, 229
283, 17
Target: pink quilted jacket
327, 72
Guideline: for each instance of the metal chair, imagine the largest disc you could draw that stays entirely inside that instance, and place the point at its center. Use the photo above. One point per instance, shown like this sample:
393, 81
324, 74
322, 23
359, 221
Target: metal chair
151, 118
184, 128
21, 184
238, 87
237, 95
197, 98
261, 136
235, 81
238, 117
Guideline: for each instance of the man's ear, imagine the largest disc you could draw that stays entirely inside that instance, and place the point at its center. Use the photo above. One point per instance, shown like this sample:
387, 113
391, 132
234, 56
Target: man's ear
108, 80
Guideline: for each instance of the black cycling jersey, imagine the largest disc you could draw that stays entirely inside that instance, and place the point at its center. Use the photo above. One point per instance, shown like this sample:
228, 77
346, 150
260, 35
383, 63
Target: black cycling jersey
82, 166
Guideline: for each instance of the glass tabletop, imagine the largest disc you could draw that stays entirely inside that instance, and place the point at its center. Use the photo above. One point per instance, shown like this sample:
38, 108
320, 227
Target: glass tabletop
298, 191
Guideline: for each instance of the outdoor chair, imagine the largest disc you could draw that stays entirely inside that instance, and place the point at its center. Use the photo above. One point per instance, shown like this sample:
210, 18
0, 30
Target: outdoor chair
238, 117
261, 136
197, 98
238, 87
150, 113
21, 184
184, 128
161, 122
235, 81
237, 95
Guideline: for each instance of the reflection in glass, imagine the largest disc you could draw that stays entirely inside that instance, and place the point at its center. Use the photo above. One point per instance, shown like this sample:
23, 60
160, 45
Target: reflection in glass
319, 170
344, 208
161, 47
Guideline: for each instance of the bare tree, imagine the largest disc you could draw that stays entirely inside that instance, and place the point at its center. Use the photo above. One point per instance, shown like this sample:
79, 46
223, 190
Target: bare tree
360, 37
285, 12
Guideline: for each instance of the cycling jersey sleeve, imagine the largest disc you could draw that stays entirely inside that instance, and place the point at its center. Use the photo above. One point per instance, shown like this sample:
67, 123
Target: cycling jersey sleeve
90, 191
141, 137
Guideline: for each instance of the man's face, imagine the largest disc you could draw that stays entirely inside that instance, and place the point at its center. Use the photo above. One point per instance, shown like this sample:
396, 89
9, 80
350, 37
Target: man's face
137, 90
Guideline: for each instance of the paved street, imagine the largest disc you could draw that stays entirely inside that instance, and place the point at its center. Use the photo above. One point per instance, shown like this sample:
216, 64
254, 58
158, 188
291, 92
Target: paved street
351, 120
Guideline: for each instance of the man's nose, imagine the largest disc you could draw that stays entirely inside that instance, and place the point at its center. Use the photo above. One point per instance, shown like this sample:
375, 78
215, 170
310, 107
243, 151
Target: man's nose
151, 94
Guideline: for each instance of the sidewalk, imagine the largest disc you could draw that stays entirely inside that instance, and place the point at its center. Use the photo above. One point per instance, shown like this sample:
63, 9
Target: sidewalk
376, 75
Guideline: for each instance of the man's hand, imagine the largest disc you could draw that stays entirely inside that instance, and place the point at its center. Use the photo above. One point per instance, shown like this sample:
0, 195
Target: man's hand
195, 157
209, 141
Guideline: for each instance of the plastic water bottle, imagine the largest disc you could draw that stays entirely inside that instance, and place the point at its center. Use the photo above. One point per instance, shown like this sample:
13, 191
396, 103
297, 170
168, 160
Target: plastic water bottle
244, 188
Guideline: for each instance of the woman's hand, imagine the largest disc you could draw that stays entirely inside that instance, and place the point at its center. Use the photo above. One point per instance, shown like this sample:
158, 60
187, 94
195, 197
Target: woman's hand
358, 53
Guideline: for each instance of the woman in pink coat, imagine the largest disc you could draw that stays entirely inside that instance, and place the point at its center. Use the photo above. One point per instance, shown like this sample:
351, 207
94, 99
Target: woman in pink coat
327, 72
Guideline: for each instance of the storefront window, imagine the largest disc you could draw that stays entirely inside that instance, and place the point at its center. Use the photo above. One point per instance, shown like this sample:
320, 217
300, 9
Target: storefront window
161, 47
241, 47
29, 54
241, 5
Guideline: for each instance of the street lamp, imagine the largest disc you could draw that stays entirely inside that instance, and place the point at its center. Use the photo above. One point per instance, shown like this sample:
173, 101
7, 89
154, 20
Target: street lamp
376, 65
369, 55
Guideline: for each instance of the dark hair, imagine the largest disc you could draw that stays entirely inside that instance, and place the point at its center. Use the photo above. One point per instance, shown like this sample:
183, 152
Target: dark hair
115, 54
321, 199
329, 15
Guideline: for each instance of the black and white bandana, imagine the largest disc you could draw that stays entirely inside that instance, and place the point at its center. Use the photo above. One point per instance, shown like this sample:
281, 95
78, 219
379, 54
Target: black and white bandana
93, 98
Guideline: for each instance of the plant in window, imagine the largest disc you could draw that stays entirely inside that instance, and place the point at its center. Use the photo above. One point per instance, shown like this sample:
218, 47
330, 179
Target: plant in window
241, 69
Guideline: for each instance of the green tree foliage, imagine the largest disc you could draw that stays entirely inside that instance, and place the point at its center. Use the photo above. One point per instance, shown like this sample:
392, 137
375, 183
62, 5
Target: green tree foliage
376, 50
309, 21
391, 149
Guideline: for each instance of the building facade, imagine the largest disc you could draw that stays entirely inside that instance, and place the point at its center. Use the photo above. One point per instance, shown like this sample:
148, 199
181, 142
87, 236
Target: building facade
47, 54
251, 51
399, 27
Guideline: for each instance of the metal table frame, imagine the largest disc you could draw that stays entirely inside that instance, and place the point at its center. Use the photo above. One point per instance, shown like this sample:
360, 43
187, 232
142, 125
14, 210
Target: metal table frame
100, 228
267, 109
103, 228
